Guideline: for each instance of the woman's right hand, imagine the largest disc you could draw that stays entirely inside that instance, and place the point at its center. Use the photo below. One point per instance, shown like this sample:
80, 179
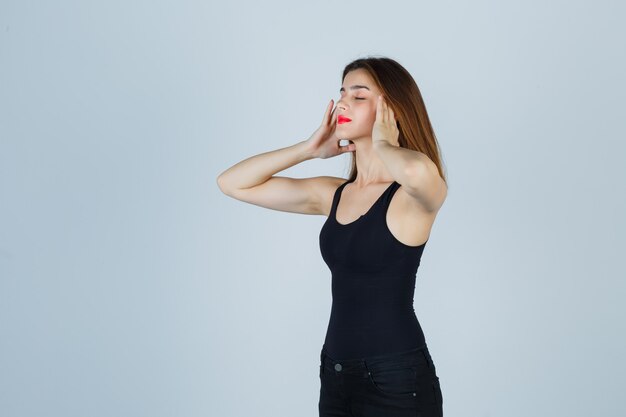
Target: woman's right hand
323, 143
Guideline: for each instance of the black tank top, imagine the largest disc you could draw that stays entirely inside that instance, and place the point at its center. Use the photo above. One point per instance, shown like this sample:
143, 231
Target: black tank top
373, 282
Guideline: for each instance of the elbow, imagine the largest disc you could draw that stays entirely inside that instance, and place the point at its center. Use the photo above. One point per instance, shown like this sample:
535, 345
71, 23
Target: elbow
221, 185
414, 173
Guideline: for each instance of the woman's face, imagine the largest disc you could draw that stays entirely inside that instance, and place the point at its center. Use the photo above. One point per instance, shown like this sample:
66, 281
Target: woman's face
358, 104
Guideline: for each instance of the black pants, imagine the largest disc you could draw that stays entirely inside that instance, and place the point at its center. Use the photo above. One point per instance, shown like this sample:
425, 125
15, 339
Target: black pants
398, 385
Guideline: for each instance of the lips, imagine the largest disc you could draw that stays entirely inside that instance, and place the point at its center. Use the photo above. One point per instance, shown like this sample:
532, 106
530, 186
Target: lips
342, 119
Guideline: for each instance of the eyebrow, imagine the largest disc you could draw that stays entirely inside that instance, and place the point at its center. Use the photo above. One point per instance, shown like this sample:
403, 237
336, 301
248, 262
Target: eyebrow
355, 87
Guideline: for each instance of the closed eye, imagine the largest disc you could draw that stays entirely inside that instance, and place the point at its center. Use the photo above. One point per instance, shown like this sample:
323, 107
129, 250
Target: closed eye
360, 98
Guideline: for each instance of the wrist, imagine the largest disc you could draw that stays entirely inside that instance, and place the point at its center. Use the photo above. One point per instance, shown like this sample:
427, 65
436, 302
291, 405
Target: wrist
378, 144
303, 150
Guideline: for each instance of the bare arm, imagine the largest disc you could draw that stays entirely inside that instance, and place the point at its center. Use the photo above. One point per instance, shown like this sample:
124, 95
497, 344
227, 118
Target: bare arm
416, 173
259, 168
253, 181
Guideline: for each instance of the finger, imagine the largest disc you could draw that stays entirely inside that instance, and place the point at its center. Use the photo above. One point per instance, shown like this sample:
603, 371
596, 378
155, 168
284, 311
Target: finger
379, 109
385, 111
347, 148
394, 118
333, 118
328, 113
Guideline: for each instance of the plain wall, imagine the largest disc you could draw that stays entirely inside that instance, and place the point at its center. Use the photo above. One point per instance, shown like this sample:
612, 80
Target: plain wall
131, 286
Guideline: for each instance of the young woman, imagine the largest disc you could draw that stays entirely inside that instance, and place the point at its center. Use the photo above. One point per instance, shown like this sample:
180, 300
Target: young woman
374, 361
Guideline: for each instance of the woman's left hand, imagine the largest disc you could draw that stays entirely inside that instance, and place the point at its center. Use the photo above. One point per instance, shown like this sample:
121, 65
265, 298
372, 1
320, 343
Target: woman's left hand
385, 127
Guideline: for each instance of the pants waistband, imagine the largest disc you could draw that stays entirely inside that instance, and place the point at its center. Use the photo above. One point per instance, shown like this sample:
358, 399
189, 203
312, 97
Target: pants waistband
362, 366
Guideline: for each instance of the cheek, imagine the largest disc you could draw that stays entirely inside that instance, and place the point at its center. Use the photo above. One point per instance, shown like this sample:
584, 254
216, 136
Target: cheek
365, 112
363, 116
370, 110
365, 122
369, 114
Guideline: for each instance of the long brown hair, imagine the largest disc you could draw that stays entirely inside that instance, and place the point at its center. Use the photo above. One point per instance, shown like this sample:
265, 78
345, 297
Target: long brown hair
403, 96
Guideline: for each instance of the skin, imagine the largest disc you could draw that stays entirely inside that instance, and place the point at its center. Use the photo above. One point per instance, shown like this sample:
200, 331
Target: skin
372, 127
361, 106
373, 136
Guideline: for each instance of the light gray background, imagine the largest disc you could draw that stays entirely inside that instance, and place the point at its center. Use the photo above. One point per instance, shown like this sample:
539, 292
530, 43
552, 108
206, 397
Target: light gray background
130, 286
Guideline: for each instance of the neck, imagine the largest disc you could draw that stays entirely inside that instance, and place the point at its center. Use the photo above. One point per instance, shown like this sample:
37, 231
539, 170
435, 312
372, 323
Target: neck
370, 168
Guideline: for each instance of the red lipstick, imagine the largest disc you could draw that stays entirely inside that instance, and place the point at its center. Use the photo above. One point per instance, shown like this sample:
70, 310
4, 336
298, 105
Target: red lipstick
342, 119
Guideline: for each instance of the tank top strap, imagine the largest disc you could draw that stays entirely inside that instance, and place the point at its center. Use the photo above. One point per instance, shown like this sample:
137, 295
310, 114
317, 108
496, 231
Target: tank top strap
335, 203
389, 194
